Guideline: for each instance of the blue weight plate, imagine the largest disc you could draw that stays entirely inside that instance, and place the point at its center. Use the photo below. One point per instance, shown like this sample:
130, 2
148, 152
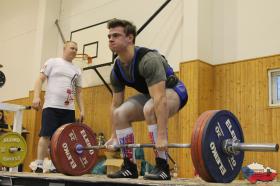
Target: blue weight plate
223, 168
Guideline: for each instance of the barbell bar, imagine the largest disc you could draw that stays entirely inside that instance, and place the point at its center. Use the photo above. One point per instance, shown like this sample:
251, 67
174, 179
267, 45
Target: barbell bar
14, 149
119, 146
229, 146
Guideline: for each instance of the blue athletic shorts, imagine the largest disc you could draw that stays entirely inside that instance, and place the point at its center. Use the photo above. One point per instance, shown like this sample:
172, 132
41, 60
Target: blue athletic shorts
182, 93
53, 118
179, 88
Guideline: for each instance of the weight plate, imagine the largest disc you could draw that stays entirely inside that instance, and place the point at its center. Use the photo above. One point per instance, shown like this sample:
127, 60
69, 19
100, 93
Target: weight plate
2, 79
13, 149
53, 146
196, 144
63, 149
221, 167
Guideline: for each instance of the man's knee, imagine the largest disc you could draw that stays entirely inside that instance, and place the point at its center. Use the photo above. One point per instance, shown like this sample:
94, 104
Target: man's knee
120, 115
149, 112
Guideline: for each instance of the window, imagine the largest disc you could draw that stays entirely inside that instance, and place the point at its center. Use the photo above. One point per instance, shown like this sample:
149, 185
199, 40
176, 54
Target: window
274, 87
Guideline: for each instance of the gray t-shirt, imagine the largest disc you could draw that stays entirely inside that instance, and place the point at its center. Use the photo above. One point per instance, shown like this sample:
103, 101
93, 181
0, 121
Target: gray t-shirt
152, 68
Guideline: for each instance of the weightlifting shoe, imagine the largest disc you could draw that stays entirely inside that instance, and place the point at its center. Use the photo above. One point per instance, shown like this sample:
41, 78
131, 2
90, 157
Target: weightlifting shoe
35, 167
53, 171
160, 172
39, 170
128, 170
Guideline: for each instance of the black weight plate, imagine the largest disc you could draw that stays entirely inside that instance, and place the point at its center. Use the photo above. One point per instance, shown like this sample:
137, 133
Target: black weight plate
2, 79
223, 168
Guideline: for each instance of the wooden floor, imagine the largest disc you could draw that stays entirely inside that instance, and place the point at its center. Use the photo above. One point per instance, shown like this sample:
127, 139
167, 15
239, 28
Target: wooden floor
53, 179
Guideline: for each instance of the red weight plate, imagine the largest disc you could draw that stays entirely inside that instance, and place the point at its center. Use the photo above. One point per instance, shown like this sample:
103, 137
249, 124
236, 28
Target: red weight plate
194, 142
196, 151
206, 174
63, 149
53, 147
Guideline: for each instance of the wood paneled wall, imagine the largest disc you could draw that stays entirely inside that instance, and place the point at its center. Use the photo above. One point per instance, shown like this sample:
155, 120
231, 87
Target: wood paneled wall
198, 77
241, 87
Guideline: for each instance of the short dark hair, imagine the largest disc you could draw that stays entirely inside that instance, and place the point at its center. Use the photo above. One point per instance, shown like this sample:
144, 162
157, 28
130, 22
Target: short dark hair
129, 27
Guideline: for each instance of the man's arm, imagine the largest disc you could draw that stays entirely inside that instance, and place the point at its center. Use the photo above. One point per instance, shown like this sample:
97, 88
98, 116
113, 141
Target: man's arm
117, 100
80, 102
158, 94
36, 103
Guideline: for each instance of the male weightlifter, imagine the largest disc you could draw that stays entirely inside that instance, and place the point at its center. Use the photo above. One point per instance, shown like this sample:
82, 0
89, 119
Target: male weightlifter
161, 95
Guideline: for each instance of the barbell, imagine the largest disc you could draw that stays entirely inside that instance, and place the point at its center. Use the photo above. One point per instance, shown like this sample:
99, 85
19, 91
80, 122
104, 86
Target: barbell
13, 149
217, 147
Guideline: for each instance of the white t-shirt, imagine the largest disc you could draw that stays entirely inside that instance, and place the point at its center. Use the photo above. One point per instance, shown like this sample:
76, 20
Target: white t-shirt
62, 79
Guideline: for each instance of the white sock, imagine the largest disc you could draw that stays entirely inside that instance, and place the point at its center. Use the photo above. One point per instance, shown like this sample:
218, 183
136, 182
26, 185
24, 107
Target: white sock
126, 136
153, 137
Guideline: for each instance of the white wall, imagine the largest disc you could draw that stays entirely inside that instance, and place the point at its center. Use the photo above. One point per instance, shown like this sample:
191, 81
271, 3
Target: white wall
205, 30
258, 29
17, 40
244, 30
225, 37
47, 36
28, 37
